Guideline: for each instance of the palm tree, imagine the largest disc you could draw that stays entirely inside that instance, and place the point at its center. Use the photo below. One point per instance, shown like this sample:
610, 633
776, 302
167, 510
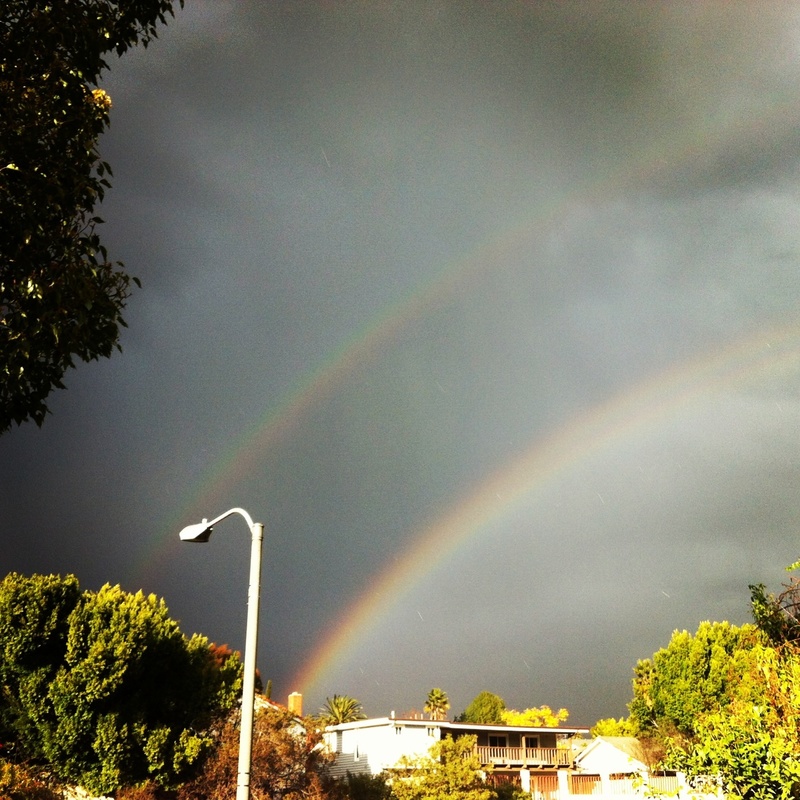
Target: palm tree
340, 708
437, 704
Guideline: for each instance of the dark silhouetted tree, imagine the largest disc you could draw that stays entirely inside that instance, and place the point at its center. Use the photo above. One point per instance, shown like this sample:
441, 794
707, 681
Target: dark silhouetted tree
60, 296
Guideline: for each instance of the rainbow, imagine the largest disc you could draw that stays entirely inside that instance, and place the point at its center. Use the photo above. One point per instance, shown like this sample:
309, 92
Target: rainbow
621, 417
368, 342
511, 486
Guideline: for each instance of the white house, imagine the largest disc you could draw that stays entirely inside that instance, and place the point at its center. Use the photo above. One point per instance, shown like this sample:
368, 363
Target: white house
619, 765
550, 763
620, 755
375, 745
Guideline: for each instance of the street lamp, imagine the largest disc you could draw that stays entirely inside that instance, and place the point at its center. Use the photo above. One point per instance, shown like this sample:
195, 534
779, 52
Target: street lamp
200, 532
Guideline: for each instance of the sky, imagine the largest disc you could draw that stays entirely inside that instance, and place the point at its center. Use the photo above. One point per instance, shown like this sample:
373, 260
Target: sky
488, 311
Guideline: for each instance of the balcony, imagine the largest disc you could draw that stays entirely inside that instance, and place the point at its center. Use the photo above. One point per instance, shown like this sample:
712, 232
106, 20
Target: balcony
530, 757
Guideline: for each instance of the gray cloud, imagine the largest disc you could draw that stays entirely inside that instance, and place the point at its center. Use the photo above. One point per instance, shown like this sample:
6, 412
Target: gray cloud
557, 205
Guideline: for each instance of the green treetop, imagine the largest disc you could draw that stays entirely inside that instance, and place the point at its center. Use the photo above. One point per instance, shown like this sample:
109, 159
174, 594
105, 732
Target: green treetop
486, 708
102, 687
693, 674
340, 708
437, 704
541, 717
725, 701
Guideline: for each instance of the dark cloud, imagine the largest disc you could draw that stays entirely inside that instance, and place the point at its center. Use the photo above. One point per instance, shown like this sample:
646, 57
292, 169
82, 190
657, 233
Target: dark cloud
446, 234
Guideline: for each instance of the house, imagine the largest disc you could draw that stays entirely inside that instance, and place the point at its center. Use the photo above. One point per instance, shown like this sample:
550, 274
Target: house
615, 755
507, 752
621, 765
549, 763
294, 704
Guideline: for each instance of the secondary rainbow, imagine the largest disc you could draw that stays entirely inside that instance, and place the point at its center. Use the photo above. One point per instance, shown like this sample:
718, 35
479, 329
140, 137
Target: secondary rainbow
370, 342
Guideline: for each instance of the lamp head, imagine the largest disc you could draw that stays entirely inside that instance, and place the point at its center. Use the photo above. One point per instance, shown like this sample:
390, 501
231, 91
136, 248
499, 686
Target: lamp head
199, 532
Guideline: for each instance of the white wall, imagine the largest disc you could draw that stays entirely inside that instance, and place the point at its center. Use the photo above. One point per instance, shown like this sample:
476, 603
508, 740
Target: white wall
375, 748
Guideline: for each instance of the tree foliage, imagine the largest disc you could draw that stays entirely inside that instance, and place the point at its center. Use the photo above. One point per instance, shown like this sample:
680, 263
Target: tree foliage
486, 708
60, 296
437, 704
694, 674
778, 616
613, 727
726, 701
364, 786
539, 717
287, 762
451, 771
102, 686
753, 742
340, 708
23, 783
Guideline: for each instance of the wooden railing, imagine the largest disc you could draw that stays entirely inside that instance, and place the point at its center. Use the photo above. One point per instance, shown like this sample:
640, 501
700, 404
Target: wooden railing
526, 756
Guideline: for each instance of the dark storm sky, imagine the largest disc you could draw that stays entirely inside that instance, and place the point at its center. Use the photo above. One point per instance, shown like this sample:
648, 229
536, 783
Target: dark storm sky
537, 262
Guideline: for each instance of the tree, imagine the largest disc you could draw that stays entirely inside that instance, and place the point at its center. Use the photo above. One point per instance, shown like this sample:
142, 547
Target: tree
778, 617
451, 771
541, 717
340, 708
694, 674
726, 701
752, 743
287, 761
437, 704
60, 296
34, 626
486, 708
613, 727
103, 687
364, 786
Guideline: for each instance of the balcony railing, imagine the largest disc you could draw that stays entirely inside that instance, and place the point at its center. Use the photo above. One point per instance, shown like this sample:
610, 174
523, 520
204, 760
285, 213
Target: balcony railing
525, 756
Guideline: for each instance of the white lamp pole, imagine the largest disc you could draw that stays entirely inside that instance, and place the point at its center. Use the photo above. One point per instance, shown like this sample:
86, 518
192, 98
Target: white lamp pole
200, 532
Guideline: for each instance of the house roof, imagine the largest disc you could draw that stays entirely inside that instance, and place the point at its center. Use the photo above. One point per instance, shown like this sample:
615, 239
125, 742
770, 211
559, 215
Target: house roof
629, 745
445, 725
261, 702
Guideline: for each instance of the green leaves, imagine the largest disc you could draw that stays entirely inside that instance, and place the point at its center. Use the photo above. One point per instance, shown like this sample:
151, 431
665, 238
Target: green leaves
726, 702
450, 772
340, 708
755, 755
485, 708
690, 676
61, 298
102, 686
437, 704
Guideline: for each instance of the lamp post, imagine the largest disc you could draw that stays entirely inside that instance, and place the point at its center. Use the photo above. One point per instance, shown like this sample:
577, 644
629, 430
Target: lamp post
200, 532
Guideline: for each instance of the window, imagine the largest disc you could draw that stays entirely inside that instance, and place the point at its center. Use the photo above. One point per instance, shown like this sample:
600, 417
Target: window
497, 741
397, 730
432, 733
531, 742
